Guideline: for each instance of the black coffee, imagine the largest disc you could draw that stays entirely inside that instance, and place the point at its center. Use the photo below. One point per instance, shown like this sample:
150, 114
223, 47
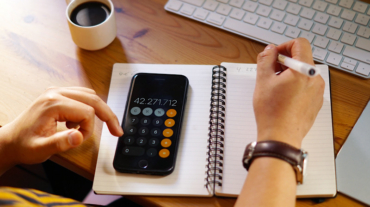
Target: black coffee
90, 14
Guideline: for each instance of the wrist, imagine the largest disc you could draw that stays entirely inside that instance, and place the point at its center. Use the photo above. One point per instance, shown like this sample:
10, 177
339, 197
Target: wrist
292, 139
6, 153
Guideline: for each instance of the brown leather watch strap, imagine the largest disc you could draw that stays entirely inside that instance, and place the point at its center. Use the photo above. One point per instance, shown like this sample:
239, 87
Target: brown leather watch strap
272, 148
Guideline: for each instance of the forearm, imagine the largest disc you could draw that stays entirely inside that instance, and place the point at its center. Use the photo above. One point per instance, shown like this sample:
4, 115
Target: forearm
270, 182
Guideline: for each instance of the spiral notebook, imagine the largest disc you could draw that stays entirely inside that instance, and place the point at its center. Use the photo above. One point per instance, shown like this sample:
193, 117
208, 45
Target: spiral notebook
218, 124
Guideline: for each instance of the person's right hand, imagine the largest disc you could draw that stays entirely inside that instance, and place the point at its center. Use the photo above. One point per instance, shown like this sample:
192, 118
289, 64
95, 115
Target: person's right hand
286, 105
32, 137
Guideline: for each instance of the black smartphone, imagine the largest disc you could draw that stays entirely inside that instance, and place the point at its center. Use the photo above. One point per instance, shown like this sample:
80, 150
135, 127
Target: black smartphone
152, 124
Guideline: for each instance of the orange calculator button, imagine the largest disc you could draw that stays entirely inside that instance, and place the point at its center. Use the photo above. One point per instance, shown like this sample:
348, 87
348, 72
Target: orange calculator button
166, 142
167, 132
171, 112
163, 153
169, 122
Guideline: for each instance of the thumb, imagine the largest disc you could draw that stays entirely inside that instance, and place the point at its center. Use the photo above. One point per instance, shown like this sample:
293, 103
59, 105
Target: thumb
266, 61
61, 141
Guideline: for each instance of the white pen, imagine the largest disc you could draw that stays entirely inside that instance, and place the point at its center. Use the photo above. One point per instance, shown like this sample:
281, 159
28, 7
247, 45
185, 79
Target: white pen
299, 66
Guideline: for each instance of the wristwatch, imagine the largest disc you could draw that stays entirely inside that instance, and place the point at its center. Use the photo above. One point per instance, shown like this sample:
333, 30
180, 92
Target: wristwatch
296, 157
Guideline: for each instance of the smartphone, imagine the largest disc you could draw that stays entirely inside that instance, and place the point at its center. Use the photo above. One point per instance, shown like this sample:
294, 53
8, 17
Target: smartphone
152, 124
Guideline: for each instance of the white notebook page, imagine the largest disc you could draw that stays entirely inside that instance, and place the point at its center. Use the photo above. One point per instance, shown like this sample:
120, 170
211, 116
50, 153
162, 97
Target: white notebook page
241, 129
188, 177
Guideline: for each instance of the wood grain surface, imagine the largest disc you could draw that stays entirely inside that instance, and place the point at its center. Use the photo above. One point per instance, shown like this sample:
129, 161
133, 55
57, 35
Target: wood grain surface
37, 52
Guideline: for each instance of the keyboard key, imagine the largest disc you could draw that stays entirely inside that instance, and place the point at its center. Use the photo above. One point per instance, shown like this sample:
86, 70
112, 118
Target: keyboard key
309, 36
334, 59
264, 23
319, 29
321, 42
363, 69
362, 19
305, 24
263, 10
349, 27
348, 38
363, 44
224, 1
255, 32
334, 10
201, 14
357, 54
237, 13
321, 18
292, 32
306, 3
278, 27
360, 7
216, 19
236, 3
335, 22
346, 3
291, 20
250, 6
266, 2
348, 14
280, 4
332, 1
223, 9
350, 61
320, 5
277, 15
335, 47
293, 8
187, 9
174, 5
307, 13
194, 2
210, 5
363, 32
347, 66
319, 54
294, 1
250, 18
333, 34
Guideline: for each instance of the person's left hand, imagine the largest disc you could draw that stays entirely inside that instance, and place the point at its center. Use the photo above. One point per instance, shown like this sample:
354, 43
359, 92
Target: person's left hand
32, 137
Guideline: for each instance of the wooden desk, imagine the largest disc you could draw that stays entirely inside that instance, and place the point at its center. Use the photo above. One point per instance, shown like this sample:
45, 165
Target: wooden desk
37, 52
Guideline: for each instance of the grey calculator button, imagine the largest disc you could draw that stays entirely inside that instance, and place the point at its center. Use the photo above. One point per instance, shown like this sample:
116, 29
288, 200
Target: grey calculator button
147, 111
159, 112
135, 110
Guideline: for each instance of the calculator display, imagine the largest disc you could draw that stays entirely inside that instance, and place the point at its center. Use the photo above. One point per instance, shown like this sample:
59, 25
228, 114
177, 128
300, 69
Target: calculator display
152, 124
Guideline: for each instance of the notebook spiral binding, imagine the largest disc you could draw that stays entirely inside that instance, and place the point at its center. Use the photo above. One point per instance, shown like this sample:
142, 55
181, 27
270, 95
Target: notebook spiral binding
216, 129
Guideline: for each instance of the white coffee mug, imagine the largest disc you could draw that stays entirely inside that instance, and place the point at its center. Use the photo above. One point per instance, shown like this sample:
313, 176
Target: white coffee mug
92, 37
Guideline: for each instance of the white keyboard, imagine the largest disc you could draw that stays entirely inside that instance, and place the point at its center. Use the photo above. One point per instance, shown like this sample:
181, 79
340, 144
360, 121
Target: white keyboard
338, 30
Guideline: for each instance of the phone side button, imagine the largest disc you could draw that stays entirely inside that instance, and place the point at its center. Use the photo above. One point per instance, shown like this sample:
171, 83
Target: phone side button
133, 151
143, 163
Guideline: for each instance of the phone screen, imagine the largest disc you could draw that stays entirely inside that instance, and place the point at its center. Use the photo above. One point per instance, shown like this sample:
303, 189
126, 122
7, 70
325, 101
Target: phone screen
152, 124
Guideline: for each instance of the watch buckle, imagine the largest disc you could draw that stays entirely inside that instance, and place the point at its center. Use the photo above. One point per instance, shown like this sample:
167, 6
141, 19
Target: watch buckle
250, 153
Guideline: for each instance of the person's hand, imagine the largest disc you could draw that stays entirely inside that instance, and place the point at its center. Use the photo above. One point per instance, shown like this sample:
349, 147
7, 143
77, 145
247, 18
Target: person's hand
32, 137
286, 105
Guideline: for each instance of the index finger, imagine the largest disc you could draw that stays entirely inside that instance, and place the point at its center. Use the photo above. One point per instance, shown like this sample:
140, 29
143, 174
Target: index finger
299, 49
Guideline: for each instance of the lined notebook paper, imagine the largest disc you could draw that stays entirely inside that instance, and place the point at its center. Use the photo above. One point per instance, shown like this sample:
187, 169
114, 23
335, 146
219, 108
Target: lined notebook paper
241, 129
188, 179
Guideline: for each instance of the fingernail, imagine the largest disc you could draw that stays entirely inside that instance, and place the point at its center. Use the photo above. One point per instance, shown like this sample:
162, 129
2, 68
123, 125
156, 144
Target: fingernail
269, 47
73, 139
